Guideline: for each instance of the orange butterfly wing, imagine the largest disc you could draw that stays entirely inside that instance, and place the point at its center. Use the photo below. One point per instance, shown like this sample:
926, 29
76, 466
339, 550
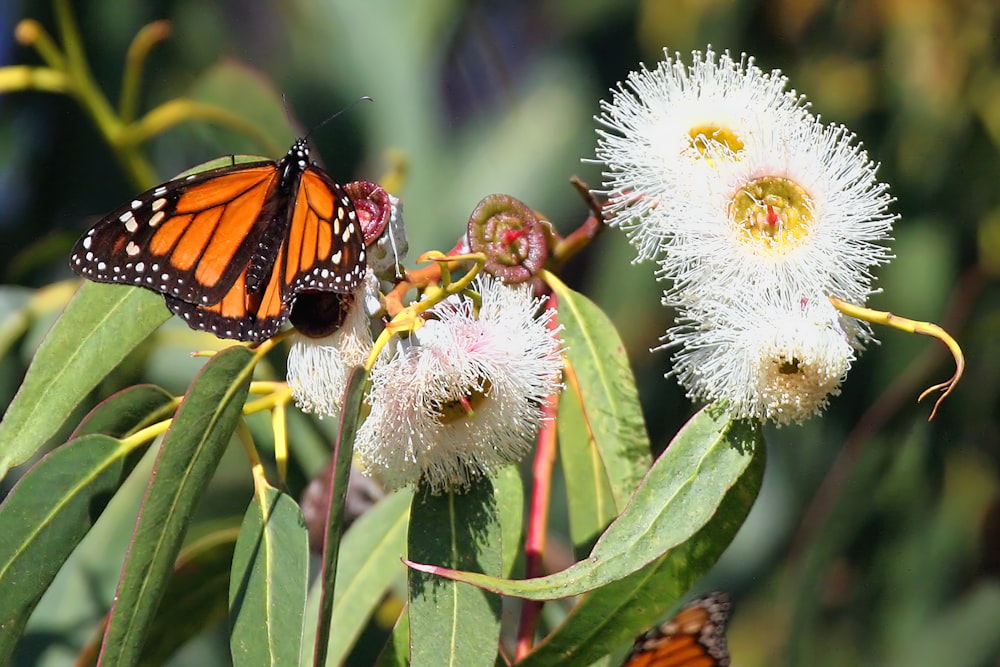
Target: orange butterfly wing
323, 236
189, 238
694, 637
230, 248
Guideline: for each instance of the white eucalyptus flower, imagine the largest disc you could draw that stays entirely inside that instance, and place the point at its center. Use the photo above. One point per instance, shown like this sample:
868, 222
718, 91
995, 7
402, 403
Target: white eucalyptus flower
463, 394
778, 364
800, 213
665, 127
317, 368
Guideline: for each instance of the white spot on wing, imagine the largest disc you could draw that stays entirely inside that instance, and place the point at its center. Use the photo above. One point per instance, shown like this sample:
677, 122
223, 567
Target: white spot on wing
132, 249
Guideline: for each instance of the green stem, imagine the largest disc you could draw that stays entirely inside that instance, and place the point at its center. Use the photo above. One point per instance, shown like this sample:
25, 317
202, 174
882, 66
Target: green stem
135, 60
31, 33
179, 110
95, 103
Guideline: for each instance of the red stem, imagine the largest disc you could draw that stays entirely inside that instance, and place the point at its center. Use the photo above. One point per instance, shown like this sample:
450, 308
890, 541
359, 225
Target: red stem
534, 541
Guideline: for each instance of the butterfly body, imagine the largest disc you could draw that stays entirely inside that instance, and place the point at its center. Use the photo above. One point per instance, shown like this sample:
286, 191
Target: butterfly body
231, 248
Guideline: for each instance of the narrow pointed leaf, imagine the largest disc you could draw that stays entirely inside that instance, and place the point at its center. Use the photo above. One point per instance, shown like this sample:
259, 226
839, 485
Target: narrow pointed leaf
510, 511
99, 327
611, 616
270, 573
589, 497
194, 601
369, 565
44, 518
452, 623
607, 392
679, 495
127, 411
343, 453
187, 459
54, 504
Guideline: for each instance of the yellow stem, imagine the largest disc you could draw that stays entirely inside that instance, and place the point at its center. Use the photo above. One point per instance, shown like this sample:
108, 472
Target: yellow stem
269, 402
24, 77
143, 42
408, 319
912, 326
256, 464
180, 110
148, 433
262, 387
280, 430
30, 32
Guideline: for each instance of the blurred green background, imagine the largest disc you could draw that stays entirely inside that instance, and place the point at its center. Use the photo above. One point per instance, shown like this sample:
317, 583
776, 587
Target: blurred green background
876, 540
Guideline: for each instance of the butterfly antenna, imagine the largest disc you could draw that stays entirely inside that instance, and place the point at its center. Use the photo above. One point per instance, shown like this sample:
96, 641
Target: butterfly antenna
363, 98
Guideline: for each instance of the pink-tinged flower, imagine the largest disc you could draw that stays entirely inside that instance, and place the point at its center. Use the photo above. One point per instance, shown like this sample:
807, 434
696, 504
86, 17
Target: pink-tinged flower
462, 395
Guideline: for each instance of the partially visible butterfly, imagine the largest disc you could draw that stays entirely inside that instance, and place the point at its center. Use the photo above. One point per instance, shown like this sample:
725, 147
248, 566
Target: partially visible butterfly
694, 637
231, 248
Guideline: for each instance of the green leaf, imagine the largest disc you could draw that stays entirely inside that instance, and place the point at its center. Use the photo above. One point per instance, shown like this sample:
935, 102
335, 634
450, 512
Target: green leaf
54, 504
251, 96
127, 411
369, 564
589, 497
194, 601
396, 652
343, 452
680, 494
99, 327
607, 393
267, 593
187, 459
611, 616
44, 518
195, 598
451, 623
509, 496
15, 316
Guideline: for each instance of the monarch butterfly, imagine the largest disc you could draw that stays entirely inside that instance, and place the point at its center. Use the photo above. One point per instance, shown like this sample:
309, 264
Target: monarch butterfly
231, 248
694, 637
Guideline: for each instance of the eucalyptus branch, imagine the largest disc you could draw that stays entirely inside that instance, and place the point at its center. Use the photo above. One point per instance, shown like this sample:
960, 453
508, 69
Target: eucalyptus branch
180, 110
912, 326
148, 36
25, 77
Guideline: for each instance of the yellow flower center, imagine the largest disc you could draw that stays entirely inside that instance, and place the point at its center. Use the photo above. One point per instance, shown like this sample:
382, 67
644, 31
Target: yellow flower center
703, 136
772, 213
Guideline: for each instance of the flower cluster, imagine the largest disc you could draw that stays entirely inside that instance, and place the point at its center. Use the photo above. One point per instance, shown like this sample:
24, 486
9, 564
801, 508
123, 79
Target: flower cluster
756, 212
